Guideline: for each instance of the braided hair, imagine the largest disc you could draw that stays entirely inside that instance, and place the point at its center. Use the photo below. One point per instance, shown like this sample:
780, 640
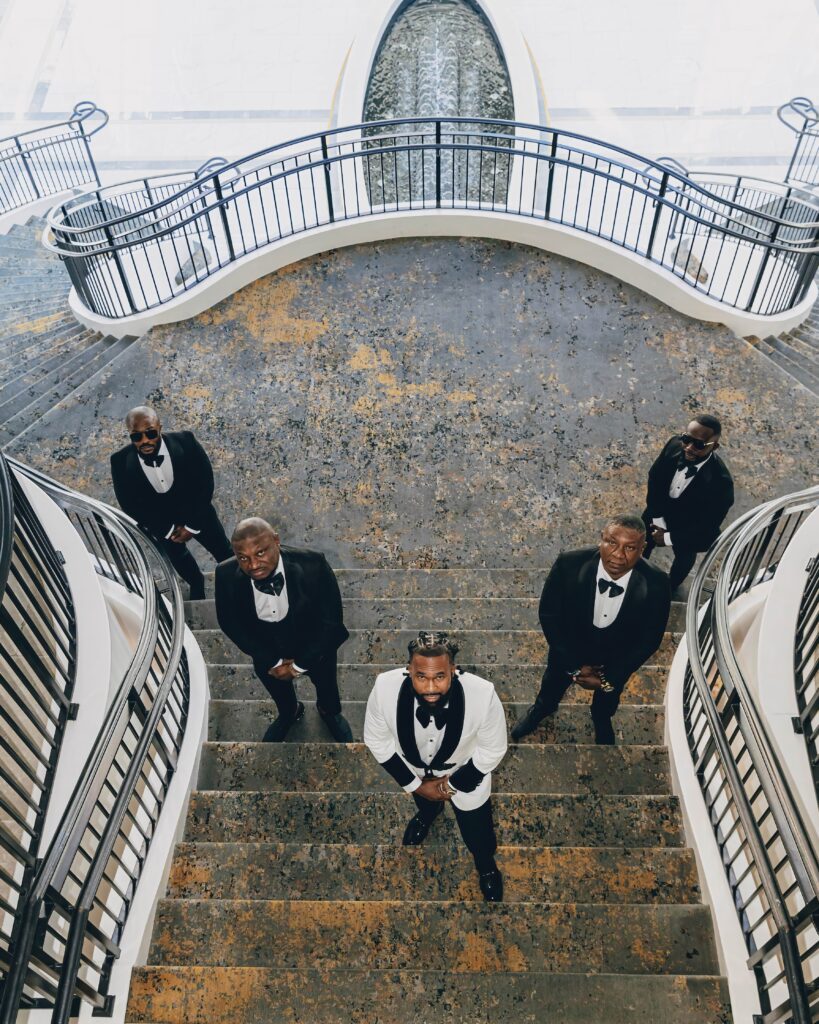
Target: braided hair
432, 644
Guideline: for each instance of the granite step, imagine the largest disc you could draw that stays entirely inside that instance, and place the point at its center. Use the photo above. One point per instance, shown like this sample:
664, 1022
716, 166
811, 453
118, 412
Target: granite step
214, 995
25, 332
806, 362
110, 349
635, 820
514, 683
805, 348
16, 314
368, 646
32, 366
247, 720
276, 871
527, 768
783, 360
396, 935
416, 613
87, 349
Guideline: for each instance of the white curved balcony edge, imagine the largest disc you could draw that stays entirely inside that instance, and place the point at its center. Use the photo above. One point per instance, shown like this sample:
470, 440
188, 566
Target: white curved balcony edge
775, 682
716, 893
594, 252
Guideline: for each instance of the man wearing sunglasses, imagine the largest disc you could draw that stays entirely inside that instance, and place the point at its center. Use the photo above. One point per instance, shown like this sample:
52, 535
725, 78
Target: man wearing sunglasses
165, 483
689, 493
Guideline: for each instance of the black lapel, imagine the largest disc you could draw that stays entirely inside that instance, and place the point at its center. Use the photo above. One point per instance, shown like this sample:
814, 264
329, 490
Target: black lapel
134, 471
245, 602
405, 723
634, 597
454, 725
587, 585
296, 587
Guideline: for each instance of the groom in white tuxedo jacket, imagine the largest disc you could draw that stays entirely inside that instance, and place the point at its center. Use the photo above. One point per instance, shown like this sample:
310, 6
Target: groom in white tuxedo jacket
440, 733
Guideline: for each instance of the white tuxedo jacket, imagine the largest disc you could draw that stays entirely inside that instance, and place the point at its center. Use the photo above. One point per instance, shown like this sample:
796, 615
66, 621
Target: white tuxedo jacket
473, 744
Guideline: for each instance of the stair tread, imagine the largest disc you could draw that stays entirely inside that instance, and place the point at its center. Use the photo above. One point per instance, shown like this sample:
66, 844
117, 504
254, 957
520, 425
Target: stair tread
388, 871
197, 995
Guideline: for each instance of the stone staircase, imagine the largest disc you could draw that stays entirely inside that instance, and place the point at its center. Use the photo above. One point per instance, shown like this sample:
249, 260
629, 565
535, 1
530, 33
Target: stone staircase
45, 354
797, 351
290, 898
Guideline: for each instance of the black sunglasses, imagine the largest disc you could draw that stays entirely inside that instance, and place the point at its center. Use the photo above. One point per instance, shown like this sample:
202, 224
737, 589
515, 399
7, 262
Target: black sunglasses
135, 435
695, 442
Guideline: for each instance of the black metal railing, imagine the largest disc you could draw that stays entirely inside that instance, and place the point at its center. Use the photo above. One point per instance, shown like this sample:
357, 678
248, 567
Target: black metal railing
46, 161
806, 666
747, 244
69, 916
802, 118
37, 676
766, 848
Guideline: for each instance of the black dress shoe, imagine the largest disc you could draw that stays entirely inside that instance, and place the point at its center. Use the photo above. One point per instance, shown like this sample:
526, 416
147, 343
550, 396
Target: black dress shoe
338, 725
277, 731
416, 831
530, 721
491, 883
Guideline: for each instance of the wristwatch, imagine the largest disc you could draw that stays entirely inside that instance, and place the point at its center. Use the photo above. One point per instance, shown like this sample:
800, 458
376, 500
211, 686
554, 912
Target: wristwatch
573, 675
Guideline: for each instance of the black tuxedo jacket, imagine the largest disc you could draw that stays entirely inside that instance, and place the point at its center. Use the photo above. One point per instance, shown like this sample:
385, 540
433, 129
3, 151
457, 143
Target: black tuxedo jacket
693, 519
314, 625
567, 616
185, 502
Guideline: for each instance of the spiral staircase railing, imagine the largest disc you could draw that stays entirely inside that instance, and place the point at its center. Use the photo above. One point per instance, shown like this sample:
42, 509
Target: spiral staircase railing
46, 161
69, 902
802, 118
746, 243
767, 852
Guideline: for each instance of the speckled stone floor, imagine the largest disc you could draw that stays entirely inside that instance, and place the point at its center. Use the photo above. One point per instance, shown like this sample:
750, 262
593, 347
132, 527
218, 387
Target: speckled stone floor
439, 403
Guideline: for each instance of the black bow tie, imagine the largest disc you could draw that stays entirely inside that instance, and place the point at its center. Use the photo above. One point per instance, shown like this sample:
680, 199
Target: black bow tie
613, 588
153, 460
272, 585
689, 469
424, 712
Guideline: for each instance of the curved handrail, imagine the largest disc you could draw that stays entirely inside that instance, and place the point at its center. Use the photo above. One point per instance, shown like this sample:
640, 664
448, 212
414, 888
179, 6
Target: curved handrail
800, 107
756, 819
138, 245
45, 161
154, 685
6, 523
663, 165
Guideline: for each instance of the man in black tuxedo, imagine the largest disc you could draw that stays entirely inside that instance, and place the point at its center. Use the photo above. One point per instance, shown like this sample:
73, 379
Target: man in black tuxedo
282, 606
165, 483
689, 493
604, 611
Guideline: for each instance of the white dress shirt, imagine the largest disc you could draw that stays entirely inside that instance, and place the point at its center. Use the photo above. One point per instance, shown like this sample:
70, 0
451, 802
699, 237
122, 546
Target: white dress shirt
428, 740
274, 607
679, 482
606, 607
161, 477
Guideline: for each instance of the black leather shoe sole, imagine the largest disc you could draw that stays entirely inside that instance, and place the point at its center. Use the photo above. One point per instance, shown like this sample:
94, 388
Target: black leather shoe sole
491, 886
277, 730
416, 831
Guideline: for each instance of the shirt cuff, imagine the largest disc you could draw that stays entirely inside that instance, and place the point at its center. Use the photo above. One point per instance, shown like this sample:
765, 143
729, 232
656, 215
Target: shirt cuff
190, 529
168, 534
668, 541
279, 662
412, 786
297, 668
659, 521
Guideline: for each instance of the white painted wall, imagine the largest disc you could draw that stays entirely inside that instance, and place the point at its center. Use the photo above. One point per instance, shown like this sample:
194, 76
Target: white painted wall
694, 80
